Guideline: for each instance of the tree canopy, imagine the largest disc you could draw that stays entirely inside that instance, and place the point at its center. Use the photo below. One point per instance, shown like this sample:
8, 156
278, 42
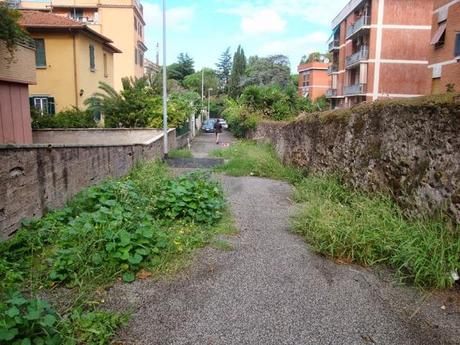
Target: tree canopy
272, 70
224, 68
182, 68
193, 81
238, 73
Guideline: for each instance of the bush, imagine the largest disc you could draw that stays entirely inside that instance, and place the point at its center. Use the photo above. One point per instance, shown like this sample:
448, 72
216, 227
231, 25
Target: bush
73, 118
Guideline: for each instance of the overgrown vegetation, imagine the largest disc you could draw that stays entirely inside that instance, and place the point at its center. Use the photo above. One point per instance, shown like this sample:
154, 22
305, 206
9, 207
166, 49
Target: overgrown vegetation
180, 153
10, 30
72, 118
115, 230
352, 226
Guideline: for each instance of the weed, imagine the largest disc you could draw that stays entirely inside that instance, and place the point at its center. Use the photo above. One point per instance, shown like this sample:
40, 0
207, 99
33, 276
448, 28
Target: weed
222, 245
180, 153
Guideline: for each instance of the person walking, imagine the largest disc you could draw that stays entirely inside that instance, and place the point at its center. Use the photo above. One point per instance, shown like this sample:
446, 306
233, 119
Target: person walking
217, 130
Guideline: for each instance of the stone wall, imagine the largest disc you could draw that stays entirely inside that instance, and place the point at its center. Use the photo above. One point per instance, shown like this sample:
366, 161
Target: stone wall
35, 178
410, 148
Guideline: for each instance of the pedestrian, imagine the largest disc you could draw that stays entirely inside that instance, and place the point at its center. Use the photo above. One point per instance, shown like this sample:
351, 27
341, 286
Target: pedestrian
217, 130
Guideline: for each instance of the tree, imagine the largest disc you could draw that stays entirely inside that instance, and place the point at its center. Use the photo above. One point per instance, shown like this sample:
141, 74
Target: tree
238, 73
182, 68
10, 30
315, 57
224, 68
272, 70
193, 81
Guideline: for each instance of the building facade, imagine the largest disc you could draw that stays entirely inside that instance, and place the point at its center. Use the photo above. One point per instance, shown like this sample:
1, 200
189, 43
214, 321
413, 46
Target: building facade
444, 65
70, 59
380, 50
313, 79
120, 20
17, 71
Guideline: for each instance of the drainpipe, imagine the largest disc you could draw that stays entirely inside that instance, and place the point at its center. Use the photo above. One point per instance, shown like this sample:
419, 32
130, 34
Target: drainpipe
75, 72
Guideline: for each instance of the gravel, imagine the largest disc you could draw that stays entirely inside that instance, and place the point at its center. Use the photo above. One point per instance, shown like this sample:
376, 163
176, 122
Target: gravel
272, 289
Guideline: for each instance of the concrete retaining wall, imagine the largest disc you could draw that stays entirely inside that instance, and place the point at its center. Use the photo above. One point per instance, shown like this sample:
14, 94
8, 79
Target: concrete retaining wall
35, 178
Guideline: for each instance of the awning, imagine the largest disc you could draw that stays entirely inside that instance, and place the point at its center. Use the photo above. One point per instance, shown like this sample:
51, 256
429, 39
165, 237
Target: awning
333, 33
437, 36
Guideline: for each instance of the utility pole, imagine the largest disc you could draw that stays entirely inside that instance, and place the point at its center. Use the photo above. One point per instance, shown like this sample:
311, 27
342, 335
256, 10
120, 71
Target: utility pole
165, 88
209, 102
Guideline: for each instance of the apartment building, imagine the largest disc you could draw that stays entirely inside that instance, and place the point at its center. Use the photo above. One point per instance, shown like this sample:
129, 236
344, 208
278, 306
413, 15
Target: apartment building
313, 79
379, 50
444, 65
120, 20
70, 60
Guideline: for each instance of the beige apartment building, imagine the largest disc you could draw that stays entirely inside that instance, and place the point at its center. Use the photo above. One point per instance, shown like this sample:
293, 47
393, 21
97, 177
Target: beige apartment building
120, 20
380, 49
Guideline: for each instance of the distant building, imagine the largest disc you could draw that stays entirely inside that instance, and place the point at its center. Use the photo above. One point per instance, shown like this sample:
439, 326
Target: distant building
150, 67
122, 21
380, 50
16, 74
313, 79
70, 58
444, 65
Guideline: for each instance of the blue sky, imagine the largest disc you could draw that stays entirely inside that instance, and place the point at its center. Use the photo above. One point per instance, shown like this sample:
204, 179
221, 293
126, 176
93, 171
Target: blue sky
205, 28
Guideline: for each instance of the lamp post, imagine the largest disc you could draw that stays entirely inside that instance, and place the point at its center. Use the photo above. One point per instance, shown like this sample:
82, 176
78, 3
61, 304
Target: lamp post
209, 102
165, 88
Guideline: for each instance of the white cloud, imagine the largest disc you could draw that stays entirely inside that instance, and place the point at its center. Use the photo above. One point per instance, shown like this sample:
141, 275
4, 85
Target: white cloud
177, 18
264, 21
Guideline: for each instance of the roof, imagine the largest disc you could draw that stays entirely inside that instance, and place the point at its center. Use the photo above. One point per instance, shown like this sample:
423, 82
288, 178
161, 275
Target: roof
350, 7
45, 20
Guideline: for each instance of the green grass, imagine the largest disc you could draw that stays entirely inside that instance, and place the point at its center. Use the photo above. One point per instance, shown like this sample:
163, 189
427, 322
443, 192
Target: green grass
148, 221
247, 158
354, 226
180, 153
371, 229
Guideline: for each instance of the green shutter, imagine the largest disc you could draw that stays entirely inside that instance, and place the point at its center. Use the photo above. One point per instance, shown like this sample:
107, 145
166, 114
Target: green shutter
92, 63
51, 107
40, 56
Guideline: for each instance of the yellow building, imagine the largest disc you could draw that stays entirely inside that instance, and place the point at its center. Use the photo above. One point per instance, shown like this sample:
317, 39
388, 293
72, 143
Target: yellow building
120, 20
71, 59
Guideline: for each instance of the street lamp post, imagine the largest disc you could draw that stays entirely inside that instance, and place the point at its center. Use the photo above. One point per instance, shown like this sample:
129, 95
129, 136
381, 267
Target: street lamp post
209, 102
165, 88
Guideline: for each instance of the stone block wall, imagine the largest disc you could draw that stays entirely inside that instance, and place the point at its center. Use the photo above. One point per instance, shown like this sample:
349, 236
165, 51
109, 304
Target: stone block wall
410, 148
36, 178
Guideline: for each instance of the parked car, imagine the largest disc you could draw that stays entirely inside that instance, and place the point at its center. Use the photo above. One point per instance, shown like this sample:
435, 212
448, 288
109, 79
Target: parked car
223, 123
208, 126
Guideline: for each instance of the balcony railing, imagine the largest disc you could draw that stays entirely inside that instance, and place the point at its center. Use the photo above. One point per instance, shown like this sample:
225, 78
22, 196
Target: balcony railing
331, 93
356, 89
334, 45
361, 55
85, 20
332, 69
358, 25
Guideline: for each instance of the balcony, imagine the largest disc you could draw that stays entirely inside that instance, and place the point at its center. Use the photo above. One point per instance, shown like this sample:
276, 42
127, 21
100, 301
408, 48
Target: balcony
361, 23
85, 20
334, 45
332, 69
361, 55
330, 93
356, 89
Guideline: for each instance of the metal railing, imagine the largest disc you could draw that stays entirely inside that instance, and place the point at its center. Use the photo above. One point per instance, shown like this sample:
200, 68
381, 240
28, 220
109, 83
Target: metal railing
361, 55
332, 69
335, 44
356, 89
358, 25
85, 20
331, 93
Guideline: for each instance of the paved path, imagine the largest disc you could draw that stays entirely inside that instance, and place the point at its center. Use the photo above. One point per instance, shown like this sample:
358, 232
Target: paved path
270, 289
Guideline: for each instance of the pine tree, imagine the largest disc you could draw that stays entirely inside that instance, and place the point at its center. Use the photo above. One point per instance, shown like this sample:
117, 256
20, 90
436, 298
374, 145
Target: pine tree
238, 73
224, 68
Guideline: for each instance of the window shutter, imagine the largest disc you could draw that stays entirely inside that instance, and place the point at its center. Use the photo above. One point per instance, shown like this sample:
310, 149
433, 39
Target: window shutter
51, 107
31, 102
457, 45
92, 63
40, 56
135, 56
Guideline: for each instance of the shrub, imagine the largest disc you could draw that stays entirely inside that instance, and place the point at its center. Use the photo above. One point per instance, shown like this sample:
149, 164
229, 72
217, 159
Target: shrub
73, 118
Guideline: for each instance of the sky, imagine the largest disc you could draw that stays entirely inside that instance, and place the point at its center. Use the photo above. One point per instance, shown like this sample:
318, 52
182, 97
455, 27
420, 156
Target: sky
205, 28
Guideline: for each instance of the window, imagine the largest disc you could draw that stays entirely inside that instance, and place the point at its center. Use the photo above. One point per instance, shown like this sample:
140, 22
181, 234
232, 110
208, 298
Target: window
40, 56
76, 13
135, 56
457, 45
440, 36
135, 23
106, 74
141, 58
44, 104
92, 63
140, 29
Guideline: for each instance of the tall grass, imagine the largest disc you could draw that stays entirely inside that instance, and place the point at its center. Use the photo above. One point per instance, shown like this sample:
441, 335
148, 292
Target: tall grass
369, 229
247, 158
